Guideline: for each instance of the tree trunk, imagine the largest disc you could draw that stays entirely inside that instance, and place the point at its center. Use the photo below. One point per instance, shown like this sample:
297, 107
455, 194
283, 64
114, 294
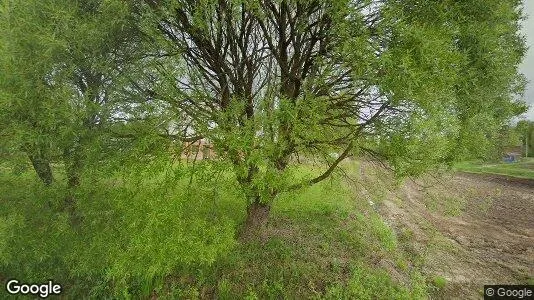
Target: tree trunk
73, 166
73, 177
42, 167
257, 216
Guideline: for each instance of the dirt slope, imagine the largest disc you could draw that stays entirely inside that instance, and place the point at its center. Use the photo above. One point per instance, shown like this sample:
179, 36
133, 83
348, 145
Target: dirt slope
469, 229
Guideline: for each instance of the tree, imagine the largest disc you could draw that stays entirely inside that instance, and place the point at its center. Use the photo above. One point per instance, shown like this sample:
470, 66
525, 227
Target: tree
414, 83
525, 129
59, 63
29, 119
61, 67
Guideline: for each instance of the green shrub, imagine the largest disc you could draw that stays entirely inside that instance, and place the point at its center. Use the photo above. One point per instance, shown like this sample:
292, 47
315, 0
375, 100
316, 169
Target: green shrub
137, 229
156, 231
439, 282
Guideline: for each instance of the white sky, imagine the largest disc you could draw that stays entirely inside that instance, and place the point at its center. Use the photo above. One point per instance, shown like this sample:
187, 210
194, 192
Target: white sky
527, 67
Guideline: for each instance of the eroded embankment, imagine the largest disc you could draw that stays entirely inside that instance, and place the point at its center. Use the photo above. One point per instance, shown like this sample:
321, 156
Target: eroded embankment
468, 229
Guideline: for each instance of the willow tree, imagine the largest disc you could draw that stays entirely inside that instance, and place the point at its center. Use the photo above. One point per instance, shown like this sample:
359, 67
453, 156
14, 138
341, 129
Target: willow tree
59, 69
28, 119
268, 82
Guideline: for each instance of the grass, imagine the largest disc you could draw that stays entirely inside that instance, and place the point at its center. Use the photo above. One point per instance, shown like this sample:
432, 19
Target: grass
143, 240
439, 282
522, 169
319, 244
445, 204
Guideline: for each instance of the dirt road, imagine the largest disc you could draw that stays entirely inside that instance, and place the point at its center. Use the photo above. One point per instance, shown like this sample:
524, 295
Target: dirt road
469, 229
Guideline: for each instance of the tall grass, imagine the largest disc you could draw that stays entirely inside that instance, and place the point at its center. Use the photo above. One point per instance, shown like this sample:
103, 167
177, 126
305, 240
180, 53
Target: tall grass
158, 231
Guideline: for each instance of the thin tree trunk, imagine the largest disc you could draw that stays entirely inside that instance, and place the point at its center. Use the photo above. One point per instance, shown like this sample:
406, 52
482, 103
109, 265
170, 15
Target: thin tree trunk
42, 167
73, 181
257, 216
73, 166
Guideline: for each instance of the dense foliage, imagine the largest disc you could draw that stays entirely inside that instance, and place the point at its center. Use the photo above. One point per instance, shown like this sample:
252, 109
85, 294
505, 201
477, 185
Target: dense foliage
523, 134
418, 84
100, 97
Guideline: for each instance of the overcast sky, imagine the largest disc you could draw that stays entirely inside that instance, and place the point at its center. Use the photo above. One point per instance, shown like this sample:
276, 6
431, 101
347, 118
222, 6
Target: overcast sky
527, 67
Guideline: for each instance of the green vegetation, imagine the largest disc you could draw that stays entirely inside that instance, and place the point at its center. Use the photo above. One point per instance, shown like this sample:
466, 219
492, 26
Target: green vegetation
145, 238
447, 204
524, 132
102, 103
420, 85
439, 282
522, 169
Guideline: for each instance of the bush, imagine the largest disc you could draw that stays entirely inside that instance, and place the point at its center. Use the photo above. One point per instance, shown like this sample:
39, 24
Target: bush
137, 229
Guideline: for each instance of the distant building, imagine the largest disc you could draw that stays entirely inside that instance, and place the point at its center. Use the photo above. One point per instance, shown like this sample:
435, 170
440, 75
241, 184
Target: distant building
201, 149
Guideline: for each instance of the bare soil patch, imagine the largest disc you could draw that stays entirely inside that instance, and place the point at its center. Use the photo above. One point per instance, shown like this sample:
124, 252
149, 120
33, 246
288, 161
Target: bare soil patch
469, 229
